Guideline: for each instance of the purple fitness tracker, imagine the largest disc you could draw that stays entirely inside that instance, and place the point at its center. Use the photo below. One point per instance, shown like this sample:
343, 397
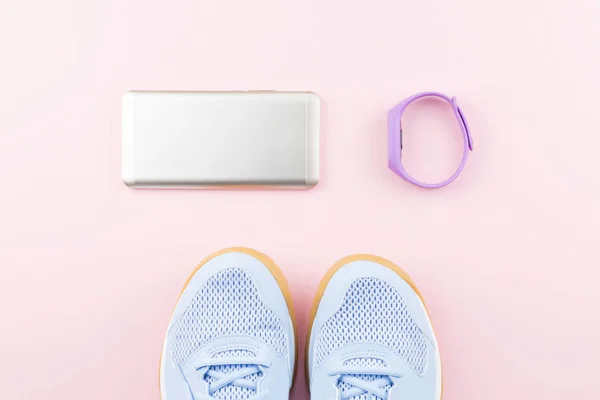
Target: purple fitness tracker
395, 139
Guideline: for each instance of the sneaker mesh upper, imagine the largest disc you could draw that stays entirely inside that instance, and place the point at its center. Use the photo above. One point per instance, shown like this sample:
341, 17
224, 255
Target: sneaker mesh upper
365, 362
228, 304
373, 312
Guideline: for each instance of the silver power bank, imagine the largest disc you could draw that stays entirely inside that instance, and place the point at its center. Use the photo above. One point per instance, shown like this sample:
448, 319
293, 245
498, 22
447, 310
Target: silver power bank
220, 139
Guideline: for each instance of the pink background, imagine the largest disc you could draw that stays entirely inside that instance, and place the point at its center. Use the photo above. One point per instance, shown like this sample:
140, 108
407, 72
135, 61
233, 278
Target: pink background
506, 257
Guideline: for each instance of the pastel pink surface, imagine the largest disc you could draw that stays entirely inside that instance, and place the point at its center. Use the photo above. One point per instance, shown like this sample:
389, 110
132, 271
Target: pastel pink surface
506, 256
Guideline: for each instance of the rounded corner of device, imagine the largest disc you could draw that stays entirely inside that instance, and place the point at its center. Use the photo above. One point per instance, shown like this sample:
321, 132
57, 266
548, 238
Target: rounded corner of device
313, 99
127, 97
311, 183
128, 180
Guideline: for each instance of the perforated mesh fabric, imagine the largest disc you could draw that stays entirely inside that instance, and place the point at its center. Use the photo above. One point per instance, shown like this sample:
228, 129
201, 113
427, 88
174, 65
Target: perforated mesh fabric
231, 391
364, 362
373, 312
228, 304
234, 354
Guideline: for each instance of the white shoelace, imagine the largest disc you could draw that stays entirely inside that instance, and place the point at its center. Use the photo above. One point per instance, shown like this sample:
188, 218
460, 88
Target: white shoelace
376, 388
236, 378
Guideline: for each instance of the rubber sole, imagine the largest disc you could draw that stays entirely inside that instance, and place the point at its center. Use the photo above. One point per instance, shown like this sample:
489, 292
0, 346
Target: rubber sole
281, 281
325, 281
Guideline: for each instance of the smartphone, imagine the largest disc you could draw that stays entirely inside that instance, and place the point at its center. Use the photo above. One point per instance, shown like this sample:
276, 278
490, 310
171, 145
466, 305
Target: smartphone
254, 139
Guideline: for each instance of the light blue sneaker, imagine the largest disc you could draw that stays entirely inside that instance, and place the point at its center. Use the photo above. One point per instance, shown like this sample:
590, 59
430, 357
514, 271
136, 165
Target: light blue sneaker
231, 336
370, 337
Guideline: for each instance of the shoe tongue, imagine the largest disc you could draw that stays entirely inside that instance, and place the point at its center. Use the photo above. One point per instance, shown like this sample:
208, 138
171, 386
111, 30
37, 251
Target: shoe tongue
363, 362
232, 392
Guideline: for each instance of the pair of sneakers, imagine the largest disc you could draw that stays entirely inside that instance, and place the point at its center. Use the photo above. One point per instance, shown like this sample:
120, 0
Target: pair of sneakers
232, 337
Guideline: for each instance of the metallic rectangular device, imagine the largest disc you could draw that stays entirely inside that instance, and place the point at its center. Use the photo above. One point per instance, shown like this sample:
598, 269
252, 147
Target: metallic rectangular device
220, 139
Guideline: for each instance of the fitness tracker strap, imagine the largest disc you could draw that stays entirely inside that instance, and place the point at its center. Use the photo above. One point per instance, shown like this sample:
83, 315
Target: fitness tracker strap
395, 139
